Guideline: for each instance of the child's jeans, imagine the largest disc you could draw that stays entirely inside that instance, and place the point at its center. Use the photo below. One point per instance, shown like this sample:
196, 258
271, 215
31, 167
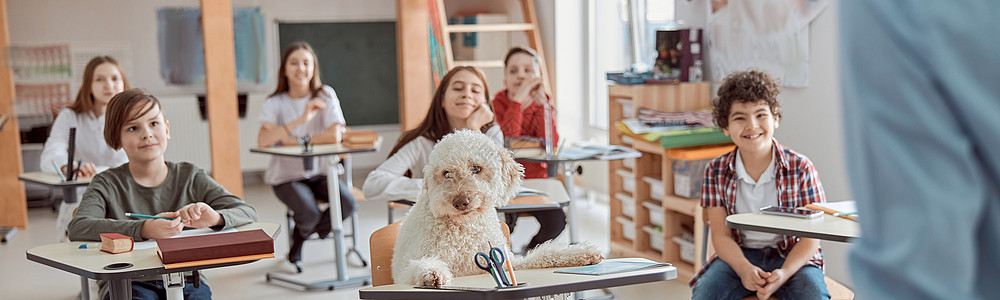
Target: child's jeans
720, 281
155, 290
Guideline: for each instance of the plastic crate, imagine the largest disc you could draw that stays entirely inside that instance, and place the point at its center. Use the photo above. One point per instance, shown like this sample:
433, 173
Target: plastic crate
629, 163
655, 187
628, 204
655, 213
687, 249
628, 227
628, 180
688, 176
655, 237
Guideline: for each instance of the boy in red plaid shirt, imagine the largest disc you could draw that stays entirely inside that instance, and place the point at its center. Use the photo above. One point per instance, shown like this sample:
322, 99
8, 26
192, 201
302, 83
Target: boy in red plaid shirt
520, 110
758, 173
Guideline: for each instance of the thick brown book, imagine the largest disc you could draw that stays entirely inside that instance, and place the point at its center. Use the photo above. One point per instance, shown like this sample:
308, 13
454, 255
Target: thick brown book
115, 243
213, 246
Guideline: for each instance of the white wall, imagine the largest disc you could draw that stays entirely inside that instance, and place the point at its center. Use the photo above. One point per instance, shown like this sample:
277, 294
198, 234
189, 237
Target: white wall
134, 23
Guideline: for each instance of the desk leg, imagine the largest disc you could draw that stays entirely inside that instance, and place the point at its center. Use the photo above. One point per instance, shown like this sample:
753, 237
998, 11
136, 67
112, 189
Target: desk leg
333, 186
121, 289
568, 181
174, 284
84, 288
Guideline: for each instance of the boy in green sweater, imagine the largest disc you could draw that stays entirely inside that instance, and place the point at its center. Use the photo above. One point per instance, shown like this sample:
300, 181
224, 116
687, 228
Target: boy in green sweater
149, 185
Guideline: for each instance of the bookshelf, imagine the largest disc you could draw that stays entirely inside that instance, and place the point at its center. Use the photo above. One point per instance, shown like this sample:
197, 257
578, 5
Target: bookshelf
678, 214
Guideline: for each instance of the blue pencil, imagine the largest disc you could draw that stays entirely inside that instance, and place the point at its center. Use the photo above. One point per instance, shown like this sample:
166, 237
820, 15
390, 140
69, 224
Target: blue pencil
61, 176
142, 216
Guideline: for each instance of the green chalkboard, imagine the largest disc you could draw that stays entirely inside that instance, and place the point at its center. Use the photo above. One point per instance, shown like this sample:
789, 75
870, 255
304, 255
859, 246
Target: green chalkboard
358, 59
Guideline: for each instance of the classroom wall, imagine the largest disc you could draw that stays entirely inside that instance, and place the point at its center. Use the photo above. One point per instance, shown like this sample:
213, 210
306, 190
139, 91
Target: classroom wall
134, 23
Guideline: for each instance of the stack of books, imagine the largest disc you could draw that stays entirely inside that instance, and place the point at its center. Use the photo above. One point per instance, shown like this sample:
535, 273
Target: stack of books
674, 130
360, 139
215, 248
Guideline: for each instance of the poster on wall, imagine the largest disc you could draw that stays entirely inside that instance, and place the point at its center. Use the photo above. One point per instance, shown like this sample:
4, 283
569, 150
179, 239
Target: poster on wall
768, 35
182, 47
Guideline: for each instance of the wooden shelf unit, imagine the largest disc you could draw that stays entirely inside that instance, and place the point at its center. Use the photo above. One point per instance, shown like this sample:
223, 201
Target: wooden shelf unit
678, 212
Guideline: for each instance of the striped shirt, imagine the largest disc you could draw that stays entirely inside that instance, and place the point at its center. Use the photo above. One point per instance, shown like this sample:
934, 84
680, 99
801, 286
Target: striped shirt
797, 182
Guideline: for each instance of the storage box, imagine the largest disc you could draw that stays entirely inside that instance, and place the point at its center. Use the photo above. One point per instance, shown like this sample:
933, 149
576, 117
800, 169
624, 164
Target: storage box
655, 187
628, 204
628, 140
629, 163
689, 167
688, 176
655, 237
628, 180
628, 227
655, 212
687, 248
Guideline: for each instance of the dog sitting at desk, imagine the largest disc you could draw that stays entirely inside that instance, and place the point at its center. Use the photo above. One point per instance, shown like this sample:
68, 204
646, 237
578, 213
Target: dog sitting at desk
467, 176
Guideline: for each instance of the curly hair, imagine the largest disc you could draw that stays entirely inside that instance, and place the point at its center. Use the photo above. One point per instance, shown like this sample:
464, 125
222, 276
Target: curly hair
743, 87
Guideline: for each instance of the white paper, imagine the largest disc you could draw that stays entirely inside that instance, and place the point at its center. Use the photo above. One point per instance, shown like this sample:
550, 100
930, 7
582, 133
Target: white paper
193, 232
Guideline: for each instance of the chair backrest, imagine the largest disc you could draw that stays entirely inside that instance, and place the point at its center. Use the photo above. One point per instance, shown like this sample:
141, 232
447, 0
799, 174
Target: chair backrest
382, 244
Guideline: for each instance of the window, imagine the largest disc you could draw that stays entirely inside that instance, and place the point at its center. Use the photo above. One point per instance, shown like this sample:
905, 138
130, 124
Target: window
610, 43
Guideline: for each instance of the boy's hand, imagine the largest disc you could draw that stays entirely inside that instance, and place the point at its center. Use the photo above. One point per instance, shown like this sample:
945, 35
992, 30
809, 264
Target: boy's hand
753, 278
524, 94
480, 117
199, 215
160, 228
777, 278
312, 107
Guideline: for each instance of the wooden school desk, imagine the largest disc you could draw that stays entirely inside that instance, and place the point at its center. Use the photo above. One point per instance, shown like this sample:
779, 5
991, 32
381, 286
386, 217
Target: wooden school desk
825, 227
91, 262
331, 151
541, 282
552, 165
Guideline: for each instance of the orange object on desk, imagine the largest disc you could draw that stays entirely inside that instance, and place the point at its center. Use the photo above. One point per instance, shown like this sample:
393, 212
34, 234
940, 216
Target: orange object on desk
115, 243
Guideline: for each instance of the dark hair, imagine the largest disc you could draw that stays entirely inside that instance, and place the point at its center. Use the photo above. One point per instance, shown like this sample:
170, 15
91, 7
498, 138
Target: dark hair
435, 125
85, 97
126, 107
315, 85
525, 50
743, 87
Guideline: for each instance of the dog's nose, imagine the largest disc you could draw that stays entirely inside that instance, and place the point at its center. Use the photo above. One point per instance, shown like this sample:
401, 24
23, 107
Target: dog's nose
460, 203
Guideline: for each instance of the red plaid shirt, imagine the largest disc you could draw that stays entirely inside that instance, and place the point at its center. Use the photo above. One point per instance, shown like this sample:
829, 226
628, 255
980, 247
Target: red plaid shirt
797, 182
515, 122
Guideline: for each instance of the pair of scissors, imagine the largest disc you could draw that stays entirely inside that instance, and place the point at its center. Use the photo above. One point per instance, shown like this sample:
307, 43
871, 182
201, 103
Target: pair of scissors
492, 264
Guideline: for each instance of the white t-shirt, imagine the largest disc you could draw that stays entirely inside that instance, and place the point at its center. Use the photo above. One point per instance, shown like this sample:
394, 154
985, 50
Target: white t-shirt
281, 109
751, 196
387, 183
89, 142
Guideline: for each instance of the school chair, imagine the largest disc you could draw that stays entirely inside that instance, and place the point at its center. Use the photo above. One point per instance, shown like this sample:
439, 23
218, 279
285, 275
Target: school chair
383, 243
837, 290
345, 162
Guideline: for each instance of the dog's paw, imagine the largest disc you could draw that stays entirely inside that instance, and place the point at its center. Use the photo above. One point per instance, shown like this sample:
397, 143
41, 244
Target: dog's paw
434, 278
584, 254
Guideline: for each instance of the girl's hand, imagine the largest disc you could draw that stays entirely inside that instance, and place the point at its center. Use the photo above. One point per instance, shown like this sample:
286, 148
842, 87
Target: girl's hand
312, 107
524, 94
86, 170
199, 215
160, 228
480, 117
777, 278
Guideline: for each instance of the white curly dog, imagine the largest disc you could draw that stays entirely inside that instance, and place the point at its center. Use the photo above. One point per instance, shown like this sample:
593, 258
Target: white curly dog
467, 176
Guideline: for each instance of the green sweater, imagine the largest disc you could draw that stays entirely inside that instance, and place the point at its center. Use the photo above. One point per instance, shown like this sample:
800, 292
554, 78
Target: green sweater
114, 192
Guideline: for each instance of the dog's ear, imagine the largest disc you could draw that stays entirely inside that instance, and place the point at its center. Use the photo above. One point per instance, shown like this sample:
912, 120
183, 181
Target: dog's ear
512, 174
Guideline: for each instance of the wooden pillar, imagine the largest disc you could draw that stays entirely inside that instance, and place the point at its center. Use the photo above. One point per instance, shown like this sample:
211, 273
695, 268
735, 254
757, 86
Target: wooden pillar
13, 204
413, 62
221, 105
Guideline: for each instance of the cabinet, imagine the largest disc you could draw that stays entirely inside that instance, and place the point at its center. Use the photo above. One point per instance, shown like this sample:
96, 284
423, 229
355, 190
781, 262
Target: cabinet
631, 223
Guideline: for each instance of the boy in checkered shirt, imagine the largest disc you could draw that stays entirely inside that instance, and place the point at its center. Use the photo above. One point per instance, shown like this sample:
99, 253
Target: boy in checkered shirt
758, 173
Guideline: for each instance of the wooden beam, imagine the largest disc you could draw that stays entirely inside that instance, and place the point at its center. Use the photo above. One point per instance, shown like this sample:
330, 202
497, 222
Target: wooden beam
13, 204
413, 62
221, 103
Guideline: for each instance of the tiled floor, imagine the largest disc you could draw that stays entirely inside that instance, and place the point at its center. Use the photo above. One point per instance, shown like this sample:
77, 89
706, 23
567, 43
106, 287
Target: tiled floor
23, 279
